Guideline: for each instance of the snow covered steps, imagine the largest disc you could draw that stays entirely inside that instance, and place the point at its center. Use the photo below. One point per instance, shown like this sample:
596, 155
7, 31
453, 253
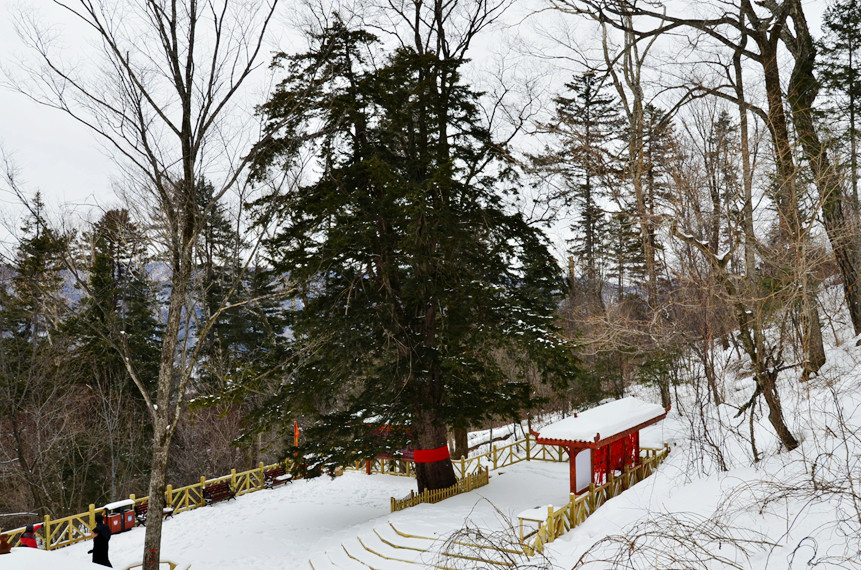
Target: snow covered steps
392, 549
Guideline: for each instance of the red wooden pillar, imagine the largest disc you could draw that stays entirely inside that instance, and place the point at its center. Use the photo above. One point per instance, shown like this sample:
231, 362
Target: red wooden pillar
626, 453
572, 468
607, 465
637, 447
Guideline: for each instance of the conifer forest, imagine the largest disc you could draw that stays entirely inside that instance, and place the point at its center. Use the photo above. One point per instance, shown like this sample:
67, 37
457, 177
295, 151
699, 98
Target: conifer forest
396, 221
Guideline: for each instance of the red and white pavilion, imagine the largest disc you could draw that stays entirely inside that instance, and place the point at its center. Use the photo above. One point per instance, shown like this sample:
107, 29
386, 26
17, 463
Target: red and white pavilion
602, 439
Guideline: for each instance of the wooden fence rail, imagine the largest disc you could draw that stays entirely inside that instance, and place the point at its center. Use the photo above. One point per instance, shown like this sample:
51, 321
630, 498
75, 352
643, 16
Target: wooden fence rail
472, 481
469, 470
498, 457
386, 466
57, 533
558, 522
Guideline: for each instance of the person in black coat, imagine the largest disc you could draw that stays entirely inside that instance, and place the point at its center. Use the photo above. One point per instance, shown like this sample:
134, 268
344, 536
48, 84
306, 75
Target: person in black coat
101, 535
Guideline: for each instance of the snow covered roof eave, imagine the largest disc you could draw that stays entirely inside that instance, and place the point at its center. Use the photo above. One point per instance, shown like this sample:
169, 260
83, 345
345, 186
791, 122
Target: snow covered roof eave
572, 431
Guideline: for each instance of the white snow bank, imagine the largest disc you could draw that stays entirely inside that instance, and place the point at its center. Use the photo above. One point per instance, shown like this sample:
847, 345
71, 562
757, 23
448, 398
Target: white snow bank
33, 559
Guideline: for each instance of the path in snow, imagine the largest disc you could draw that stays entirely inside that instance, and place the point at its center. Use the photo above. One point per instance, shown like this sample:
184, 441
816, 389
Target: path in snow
285, 527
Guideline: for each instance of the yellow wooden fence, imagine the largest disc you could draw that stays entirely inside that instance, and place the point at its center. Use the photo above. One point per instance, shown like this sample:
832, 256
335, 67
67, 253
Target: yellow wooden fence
386, 466
560, 521
472, 481
498, 457
57, 533
469, 470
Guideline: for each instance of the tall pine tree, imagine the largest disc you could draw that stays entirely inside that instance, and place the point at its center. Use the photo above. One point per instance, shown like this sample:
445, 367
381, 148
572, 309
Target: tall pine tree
587, 128
414, 268
840, 67
118, 310
38, 448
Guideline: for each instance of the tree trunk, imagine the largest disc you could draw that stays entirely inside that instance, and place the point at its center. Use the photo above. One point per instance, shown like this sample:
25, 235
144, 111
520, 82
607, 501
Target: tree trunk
157, 486
786, 198
814, 352
666, 396
706, 354
430, 435
461, 443
768, 385
842, 229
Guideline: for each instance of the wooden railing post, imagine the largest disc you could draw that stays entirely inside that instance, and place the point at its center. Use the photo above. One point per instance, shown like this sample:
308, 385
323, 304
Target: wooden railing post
233, 480
528, 449
202, 502
260, 477
550, 526
495, 457
47, 532
168, 499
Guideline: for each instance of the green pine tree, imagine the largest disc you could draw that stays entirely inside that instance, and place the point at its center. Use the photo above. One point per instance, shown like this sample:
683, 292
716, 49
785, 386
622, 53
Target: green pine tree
588, 128
32, 377
413, 268
840, 69
37, 308
243, 346
119, 309
658, 155
626, 265
116, 316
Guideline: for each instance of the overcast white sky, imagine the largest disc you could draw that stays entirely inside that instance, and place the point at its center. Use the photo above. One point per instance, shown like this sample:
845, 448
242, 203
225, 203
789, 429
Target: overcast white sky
51, 152
64, 161
59, 157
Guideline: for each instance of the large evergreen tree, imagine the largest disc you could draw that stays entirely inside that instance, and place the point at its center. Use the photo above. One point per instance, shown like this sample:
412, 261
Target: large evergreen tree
232, 336
625, 252
413, 267
120, 306
243, 345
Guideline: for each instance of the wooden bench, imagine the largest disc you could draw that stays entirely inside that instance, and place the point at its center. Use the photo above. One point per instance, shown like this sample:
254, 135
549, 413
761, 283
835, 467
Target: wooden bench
276, 476
218, 492
142, 509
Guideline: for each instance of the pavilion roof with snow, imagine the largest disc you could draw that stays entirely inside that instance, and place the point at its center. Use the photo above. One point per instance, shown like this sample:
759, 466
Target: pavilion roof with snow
601, 440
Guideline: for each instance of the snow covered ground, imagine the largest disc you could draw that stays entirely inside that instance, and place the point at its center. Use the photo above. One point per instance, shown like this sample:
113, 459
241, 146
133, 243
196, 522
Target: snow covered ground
737, 518
309, 520
708, 506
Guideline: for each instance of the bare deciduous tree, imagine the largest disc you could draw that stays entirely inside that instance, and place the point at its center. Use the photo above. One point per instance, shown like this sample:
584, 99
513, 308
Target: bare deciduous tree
160, 99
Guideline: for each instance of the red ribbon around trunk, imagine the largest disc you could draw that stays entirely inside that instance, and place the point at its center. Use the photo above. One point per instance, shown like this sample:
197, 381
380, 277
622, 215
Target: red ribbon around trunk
431, 455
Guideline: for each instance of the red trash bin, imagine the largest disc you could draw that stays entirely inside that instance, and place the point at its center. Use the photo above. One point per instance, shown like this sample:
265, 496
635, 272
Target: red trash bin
114, 522
128, 519
120, 515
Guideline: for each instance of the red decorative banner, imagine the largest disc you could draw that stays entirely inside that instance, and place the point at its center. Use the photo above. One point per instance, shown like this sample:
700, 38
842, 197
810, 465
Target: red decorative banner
431, 455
